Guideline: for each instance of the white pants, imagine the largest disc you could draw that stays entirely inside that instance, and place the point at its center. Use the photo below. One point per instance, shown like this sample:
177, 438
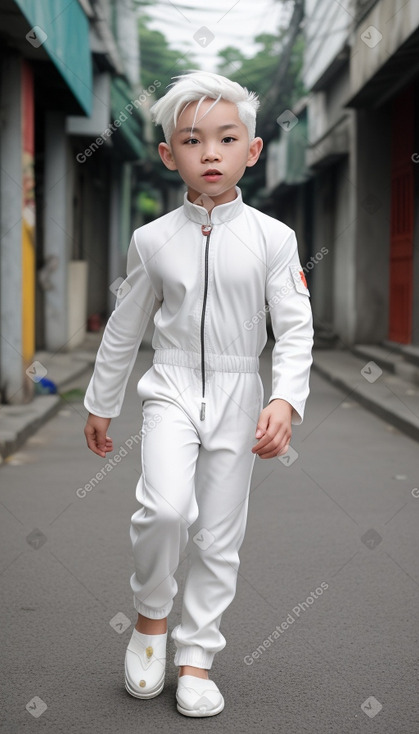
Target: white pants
194, 485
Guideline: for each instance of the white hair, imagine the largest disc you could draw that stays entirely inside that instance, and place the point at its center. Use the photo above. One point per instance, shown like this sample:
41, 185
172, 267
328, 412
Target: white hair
198, 86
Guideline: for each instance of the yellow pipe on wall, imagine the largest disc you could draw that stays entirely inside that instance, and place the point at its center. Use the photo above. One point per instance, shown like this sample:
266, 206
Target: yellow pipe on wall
28, 222
28, 292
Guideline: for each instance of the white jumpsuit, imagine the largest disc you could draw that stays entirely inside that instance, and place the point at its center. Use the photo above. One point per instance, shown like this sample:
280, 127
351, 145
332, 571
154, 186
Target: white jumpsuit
209, 281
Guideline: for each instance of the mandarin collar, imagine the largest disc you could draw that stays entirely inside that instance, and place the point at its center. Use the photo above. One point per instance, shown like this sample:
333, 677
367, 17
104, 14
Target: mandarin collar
221, 213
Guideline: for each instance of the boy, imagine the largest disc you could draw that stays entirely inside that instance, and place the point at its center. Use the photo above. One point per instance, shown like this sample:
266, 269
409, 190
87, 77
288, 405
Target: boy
205, 271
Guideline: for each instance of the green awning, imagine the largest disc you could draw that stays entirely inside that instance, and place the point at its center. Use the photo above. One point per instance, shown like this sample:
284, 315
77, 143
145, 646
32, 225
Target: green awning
129, 137
66, 28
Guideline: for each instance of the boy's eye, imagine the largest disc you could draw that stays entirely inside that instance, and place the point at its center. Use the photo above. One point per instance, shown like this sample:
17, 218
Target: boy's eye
194, 141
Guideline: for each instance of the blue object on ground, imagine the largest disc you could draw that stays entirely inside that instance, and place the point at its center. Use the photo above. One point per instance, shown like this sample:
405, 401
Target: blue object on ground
45, 387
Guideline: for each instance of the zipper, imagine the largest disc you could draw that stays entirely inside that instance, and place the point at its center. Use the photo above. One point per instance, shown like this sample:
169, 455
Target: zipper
206, 230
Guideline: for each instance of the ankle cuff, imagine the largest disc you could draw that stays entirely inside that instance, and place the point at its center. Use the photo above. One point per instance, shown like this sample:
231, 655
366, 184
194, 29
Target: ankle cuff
194, 655
152, 613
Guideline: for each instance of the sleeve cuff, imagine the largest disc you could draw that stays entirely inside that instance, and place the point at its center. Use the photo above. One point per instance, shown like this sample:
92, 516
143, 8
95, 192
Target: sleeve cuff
297, 415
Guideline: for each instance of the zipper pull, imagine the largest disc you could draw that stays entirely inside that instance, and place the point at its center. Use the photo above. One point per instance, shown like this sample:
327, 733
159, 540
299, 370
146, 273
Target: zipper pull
206, 229
202, 416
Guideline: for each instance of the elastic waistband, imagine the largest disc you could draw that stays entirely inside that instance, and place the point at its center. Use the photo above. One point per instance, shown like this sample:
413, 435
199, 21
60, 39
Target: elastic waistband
215, 362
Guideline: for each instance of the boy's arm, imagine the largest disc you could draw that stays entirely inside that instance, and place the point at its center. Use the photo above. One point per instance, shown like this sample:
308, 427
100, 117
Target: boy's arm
121, 339
292, 325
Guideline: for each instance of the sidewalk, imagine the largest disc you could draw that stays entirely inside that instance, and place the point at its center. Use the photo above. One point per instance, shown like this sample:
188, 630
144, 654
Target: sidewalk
378, 378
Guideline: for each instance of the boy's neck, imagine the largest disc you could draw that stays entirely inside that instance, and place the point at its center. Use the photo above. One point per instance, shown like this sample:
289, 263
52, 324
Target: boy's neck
208, 202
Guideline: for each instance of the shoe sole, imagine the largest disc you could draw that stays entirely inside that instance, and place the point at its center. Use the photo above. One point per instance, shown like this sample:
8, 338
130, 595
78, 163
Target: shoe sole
200, 714
150, 694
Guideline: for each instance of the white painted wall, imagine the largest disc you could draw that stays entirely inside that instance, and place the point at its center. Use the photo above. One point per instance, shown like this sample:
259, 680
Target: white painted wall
127, 39
394, 21
326, 28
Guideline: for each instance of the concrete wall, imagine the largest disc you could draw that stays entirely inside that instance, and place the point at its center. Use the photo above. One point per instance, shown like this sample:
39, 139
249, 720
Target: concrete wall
117, 268
328, 121
57, 239
352, 219
333, 286
381, 33
325, 108
94, 178
344, 245
415, 325
291, 208
11, 358
371, 173
322, 286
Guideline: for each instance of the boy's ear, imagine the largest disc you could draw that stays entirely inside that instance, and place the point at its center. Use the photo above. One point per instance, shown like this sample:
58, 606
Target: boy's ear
167, 157
255, 150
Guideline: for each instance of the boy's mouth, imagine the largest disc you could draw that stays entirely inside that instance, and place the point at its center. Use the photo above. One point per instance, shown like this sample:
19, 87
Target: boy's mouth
212, 174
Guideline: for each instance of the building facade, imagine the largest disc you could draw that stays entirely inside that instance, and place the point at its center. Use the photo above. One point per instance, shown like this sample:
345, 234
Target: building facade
355, 193
73, 141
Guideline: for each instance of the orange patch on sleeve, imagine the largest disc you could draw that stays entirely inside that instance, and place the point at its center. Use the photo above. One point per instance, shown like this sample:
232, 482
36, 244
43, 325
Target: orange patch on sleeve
303, 278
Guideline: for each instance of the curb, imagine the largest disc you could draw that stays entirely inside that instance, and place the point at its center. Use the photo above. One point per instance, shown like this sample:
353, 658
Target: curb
398, 415
21, 427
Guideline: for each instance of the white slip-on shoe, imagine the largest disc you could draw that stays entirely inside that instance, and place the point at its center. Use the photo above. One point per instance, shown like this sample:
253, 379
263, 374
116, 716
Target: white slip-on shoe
198, 696
145, 664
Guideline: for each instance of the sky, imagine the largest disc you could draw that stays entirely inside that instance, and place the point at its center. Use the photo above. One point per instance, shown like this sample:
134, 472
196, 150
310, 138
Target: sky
205, 27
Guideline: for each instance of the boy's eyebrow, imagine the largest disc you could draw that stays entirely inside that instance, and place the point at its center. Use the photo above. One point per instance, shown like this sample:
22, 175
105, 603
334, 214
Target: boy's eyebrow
198, 130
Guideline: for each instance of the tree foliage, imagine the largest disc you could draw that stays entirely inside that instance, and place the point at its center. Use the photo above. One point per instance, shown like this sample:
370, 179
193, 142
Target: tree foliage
158, 60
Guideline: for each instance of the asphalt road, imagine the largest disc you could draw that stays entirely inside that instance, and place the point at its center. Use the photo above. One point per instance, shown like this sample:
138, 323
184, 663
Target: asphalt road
322, 634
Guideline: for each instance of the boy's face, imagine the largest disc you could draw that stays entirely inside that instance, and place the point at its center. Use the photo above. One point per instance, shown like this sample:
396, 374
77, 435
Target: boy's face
211, 159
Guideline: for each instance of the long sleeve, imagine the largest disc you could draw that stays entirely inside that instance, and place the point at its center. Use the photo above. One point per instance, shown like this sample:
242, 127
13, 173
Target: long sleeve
292, 324
121, 339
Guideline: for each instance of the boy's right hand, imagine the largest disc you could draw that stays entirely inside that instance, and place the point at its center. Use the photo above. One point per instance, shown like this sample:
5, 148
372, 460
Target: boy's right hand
95, 432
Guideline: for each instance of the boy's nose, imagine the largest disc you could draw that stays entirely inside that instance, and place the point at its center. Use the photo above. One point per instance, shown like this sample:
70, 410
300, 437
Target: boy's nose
211, 155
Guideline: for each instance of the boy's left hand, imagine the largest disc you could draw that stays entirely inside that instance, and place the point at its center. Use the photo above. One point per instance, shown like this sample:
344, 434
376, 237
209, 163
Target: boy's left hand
274, 430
